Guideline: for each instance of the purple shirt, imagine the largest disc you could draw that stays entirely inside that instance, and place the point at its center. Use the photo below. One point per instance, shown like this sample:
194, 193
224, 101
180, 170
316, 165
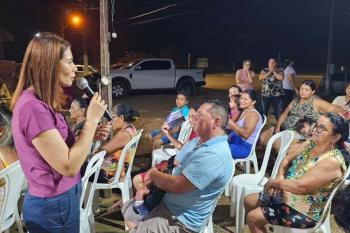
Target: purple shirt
31, 117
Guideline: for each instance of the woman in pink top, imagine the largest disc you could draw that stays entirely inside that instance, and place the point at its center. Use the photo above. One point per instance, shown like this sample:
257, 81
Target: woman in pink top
244, 76
49, 155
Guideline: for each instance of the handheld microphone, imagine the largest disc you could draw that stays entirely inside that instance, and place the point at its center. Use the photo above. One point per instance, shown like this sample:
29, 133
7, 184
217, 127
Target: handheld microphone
83, 85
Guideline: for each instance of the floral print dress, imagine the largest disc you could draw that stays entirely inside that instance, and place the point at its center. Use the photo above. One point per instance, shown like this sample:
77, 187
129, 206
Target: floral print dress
303, 211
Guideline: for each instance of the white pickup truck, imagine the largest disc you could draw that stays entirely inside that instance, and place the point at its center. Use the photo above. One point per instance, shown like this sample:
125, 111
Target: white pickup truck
154, 74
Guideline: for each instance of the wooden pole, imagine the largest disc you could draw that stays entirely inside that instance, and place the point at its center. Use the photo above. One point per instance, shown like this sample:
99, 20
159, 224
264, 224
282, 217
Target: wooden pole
106, 84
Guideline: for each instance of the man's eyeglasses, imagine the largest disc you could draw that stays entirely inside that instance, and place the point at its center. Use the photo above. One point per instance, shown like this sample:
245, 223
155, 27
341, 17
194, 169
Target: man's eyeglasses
319, 128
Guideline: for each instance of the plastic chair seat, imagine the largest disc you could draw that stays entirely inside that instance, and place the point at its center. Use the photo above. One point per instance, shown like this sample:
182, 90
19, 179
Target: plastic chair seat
251, 157
14, 179
87, 221
126, 185
245, 184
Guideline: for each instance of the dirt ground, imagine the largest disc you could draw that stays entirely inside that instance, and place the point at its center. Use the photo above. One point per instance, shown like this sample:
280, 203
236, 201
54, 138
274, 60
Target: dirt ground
153, 108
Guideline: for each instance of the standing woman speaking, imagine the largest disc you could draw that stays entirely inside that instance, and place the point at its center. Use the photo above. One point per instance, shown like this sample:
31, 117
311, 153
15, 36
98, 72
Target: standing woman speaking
49, 155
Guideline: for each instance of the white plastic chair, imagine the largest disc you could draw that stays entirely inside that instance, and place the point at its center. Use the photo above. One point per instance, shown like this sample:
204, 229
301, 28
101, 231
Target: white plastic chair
125, 185
128, 150
251, 157
164, 153
14, 180
245, 184
322, 226
87, 221
210, 227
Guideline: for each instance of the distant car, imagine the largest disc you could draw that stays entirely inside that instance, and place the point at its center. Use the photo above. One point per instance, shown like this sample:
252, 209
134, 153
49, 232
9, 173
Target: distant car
156, 73
92, 75
81, 73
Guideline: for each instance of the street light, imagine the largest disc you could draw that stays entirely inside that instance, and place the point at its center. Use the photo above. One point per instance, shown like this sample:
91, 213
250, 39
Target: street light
76, 20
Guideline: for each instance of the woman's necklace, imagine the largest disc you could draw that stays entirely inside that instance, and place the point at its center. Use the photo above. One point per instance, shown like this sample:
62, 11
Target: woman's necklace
316, 152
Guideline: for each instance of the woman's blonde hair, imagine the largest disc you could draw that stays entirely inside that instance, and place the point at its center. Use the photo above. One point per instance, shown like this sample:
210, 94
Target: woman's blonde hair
40, 69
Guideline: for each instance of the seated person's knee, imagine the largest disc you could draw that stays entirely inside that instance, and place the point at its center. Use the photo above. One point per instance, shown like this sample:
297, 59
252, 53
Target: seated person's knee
252, 216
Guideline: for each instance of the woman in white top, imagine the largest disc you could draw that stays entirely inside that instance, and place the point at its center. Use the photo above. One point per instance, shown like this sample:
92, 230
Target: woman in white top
246, 129
343, 101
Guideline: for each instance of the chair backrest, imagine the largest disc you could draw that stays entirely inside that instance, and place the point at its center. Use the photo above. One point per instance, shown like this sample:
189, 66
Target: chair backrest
252, 151
14, 179
129, 151
286, 138
93, 168
185, 131
327, 207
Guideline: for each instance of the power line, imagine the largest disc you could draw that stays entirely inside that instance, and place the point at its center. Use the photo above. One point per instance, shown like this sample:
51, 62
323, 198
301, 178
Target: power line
156, 11
159, 18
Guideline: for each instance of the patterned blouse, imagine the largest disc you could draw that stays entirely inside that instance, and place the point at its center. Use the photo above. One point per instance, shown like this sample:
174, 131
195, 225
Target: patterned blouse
311, 204
271, 86
299, 111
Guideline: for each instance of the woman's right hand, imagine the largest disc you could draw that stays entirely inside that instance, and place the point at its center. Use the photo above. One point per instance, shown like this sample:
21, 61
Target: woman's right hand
96, 108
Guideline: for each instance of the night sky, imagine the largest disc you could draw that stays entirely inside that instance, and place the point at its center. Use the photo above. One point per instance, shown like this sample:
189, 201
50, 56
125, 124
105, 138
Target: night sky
222, 30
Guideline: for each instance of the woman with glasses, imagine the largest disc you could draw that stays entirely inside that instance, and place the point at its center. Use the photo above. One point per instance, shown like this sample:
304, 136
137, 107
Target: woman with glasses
305, 180
244, 76
123, 131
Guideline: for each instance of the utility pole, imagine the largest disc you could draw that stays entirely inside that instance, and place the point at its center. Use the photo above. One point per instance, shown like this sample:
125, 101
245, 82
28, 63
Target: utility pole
330, 49
106, 85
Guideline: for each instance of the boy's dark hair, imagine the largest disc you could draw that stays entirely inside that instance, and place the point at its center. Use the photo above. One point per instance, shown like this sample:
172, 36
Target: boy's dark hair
300, 123
184, 93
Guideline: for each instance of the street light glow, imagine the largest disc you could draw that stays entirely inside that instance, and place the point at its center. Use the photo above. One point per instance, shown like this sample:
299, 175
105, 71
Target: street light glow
76, 20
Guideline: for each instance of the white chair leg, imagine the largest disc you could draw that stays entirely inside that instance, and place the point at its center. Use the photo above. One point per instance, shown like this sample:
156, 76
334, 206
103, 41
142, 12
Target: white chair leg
92, 223
130, 189
18, 222
228, 190
326, 226
233, 200
239, 196
210, 225
125, 198
255, 164
241, 214
125, 194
